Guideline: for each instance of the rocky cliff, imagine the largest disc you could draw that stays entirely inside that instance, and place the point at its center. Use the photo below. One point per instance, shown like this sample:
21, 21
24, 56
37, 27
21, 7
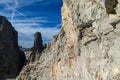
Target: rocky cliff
12, 59
87, 48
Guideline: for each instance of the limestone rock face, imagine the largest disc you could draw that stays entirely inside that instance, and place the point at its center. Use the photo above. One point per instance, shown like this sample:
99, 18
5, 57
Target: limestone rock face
87, 48
37, 48
12, 59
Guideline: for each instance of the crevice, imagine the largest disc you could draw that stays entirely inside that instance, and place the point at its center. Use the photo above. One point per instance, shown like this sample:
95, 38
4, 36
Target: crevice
81, 28
85, 25
94, 39
114, 24
108, 32
114, 27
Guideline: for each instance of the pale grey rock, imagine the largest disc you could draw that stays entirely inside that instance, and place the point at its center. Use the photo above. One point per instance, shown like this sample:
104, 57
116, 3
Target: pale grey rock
87, 48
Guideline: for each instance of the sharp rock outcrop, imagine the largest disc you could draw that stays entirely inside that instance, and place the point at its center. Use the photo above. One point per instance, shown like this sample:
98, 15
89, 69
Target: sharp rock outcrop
87, 48
12, 59
37, 48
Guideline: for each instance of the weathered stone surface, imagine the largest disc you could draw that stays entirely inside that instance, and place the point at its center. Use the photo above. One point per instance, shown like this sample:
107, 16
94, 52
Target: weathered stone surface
37, 48
87, 48
12, 59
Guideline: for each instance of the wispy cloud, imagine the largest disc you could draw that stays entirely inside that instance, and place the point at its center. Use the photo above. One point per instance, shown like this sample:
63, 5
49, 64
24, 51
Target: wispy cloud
50, 2
14, 10
26, 25
23, 3
29, 30
58, 25
6, 1
37, 20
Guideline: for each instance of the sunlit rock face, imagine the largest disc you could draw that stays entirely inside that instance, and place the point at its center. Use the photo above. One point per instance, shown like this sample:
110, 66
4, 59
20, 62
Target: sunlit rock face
12, 59
87, 48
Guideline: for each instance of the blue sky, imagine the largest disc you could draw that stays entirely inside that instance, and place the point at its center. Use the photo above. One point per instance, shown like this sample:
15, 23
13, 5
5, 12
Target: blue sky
30, 16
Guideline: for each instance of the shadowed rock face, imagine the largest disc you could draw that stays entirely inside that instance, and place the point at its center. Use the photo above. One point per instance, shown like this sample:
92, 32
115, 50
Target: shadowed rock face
37, 48
12, 59
110, 6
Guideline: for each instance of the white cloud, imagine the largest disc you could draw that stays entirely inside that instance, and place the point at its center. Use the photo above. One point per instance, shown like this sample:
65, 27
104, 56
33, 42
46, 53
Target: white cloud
5, 14
29, 30
20, 24
28, 2
22, 3
28, 26
10, 7
37, 20
58, 25
6, 1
